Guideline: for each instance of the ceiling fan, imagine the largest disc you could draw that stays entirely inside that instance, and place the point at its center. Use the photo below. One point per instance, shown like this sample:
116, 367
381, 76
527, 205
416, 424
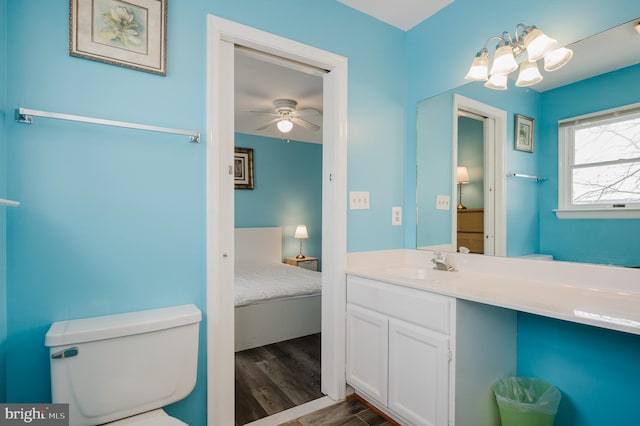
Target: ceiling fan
287, 115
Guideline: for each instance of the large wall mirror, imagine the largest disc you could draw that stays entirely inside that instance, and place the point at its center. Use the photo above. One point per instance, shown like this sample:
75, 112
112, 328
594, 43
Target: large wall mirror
510, 194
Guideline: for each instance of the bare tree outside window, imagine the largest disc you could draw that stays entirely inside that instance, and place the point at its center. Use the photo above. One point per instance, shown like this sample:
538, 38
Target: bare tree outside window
606, 162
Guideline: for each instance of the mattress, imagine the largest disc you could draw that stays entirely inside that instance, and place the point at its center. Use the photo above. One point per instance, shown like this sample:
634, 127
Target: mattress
261, 282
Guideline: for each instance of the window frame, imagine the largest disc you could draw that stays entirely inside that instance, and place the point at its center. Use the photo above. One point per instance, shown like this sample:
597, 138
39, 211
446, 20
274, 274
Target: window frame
566, 209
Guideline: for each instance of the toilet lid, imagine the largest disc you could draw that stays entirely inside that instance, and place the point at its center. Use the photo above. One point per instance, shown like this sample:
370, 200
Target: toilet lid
151, 418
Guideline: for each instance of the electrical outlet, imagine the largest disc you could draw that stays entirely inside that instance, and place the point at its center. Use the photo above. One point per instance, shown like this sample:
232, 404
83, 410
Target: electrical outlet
359, 200
396, 216
442, 202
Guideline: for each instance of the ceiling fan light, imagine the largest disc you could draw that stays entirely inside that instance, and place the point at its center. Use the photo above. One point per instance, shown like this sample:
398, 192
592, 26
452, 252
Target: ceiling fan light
538, 44
479, 70
497, 82
528, 75
285, 125
503, 61
556, 59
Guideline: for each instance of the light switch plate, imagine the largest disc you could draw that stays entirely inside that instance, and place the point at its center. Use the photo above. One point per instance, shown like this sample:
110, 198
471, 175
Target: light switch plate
442, 202
359, 200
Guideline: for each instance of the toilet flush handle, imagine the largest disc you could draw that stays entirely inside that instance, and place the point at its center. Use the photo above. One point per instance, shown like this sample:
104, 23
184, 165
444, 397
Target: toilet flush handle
66, 353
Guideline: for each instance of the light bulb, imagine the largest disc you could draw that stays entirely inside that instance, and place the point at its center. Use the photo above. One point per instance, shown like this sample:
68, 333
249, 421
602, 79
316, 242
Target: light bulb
497, 82
528, 75
285, 125
556, 59
479, 70
503, 61
538, 44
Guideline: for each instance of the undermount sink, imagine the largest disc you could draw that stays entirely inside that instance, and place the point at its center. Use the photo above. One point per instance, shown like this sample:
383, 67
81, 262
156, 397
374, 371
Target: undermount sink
409, 272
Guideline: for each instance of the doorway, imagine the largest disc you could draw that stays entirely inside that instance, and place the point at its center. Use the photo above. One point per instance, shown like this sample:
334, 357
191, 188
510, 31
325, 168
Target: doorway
480, 130
223, 36
470, 173
277, 304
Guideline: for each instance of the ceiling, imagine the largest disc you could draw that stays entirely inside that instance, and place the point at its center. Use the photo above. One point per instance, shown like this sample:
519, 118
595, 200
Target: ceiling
404, 14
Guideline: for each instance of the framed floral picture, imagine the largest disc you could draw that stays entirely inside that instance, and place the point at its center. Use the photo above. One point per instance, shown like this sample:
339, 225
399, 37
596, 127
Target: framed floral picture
243, 168
130, 34
523, 136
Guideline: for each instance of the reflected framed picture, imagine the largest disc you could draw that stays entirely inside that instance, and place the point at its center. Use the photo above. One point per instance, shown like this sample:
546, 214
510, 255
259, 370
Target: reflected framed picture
523, 133
130, 33
243, 168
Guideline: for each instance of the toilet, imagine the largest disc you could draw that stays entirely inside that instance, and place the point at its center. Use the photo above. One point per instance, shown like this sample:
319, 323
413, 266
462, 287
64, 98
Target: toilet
122, 369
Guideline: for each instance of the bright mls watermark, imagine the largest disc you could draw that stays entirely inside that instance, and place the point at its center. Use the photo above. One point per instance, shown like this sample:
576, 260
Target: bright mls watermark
34, 414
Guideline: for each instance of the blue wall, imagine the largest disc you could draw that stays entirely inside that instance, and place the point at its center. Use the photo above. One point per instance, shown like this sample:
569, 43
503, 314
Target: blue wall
596, 370
608, 241
287, 191
113, 220
3, 185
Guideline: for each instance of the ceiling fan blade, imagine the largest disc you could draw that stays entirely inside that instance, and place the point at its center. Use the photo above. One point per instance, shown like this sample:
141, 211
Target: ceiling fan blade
275, 114
306, 111
304, 123
275, 120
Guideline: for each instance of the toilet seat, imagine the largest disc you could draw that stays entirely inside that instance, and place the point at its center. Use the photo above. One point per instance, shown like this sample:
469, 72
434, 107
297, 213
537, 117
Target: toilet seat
151, 418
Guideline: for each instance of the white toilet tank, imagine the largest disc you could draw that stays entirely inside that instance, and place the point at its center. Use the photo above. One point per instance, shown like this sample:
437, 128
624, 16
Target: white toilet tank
115, 366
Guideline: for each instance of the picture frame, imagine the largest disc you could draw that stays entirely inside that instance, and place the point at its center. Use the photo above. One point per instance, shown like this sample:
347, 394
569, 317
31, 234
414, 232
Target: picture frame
523, 133
131, 34
243, 168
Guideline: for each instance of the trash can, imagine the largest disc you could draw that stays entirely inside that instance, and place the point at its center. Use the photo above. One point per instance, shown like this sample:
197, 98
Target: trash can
525, 401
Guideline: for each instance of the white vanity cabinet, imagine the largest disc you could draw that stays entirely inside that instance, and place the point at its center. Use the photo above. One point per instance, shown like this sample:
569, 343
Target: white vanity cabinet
424, 358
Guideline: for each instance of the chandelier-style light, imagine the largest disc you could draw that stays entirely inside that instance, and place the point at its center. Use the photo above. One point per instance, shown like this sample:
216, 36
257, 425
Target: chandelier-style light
529, 39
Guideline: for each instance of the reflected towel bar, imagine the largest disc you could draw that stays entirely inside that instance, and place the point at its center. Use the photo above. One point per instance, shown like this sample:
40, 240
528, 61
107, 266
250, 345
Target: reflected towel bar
24, 115
10, 203
520, 175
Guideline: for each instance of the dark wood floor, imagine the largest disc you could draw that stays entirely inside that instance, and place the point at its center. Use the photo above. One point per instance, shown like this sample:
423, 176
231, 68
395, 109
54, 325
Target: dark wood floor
350, 412
276, 377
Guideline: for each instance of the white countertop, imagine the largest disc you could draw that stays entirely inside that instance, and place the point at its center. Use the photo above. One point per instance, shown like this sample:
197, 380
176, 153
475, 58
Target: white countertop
597, 295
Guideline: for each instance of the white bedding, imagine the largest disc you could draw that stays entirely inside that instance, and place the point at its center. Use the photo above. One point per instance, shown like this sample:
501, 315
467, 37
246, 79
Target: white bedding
260, 282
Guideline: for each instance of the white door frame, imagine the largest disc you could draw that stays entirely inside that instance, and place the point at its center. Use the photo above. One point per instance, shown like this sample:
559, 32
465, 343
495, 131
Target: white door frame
495, 142
222, 35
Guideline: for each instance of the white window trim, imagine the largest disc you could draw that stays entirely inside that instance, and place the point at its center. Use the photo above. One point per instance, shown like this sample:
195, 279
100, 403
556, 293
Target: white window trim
565, 209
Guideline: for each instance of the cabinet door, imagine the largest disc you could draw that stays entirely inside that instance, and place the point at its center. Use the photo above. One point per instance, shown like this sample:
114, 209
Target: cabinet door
367, 356
418, 374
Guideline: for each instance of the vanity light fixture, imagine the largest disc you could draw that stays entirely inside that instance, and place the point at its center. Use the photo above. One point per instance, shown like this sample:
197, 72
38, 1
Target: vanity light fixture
301, 234
526, 38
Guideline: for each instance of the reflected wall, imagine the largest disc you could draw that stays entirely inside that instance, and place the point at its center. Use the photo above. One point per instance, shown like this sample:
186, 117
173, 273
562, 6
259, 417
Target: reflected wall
607, 241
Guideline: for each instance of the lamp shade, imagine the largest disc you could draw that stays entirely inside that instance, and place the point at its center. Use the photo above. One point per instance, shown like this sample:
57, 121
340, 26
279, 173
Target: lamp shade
285, 125
503, 61
556, 59
462, 175
497, 82
301, 232
538, 44
529, 74
479, 70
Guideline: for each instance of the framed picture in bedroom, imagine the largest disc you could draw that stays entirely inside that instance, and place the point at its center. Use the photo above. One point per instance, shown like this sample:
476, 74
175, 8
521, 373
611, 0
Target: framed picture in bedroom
523, 133
243, 168
131, 34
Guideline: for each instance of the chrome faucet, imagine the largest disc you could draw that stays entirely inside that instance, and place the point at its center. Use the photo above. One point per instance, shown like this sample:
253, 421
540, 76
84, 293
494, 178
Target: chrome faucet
440, 263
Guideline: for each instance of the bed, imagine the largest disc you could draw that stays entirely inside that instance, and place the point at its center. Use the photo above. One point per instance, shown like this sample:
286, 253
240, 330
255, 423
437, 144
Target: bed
273, 301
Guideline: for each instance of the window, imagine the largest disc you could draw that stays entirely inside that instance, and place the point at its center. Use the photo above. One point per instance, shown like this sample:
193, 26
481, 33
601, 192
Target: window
599, 165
